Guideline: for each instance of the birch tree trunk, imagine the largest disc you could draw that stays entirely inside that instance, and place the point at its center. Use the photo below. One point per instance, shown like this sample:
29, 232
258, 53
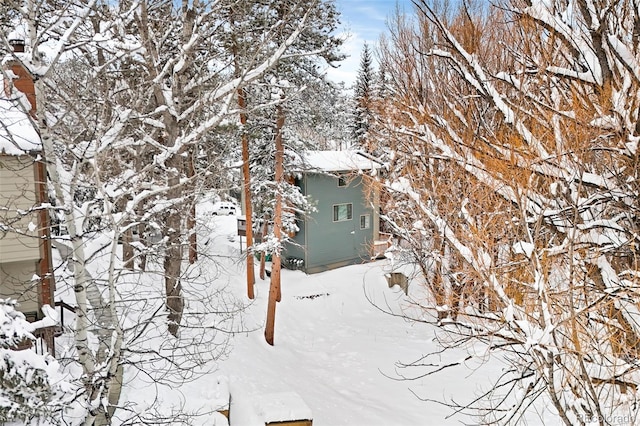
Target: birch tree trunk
85, 290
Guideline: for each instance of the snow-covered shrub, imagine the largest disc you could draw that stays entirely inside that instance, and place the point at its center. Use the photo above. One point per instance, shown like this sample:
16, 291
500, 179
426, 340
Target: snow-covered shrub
14, 328
30, 387
24, 386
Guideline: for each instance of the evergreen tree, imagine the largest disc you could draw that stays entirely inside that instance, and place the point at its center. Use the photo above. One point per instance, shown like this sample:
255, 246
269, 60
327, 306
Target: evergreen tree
321, 115
363, 98
290, 77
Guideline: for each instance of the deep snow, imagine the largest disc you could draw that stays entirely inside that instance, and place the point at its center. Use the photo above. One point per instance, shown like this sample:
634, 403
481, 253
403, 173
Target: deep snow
336, 350
334, 356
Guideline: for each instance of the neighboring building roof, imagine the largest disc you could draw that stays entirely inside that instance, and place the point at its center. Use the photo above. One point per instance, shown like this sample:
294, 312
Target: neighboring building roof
339, 161
17, 133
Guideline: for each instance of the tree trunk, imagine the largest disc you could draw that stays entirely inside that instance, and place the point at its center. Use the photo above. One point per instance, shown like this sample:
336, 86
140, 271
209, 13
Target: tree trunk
246, 174
263, 255
191, 219
141, 233
274, 290
246, 180
80, 275
139, 212
110, 393
127, 249
173, 254
174, 168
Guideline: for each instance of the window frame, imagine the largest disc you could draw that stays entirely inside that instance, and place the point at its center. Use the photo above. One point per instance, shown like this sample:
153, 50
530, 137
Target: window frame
367, 219
342, 182
336, 213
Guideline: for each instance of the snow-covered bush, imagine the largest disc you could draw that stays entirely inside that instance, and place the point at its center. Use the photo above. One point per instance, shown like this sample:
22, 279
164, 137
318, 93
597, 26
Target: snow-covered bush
13, 325
30, 385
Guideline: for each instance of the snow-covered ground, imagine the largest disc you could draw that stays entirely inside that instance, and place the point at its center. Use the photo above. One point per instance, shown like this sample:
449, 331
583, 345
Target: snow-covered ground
336, 350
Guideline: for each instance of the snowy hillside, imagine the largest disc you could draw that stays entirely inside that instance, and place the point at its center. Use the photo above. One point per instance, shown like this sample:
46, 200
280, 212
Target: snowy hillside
335, 349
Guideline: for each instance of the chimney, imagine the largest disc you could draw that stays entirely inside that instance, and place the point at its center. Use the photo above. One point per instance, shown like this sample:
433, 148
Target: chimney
24, 81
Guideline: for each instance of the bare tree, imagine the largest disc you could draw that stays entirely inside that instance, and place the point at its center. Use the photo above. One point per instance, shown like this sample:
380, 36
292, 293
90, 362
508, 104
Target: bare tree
127, 91
514, 136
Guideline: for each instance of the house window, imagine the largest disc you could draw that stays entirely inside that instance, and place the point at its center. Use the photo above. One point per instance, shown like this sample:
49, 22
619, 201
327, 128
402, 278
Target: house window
342, 212
342, 181
365, 221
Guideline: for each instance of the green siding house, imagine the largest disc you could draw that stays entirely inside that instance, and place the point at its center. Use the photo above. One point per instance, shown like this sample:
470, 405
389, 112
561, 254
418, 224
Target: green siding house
344, 229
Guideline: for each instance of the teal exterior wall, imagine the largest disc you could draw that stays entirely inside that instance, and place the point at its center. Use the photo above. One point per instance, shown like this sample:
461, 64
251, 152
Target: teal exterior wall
323, 243
295, 249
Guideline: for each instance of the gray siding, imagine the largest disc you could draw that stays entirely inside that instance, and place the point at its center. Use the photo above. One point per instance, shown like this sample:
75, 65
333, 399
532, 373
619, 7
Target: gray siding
325, 243
296, 249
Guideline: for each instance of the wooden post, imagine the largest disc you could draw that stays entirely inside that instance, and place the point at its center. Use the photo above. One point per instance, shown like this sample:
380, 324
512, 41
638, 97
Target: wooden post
45, 266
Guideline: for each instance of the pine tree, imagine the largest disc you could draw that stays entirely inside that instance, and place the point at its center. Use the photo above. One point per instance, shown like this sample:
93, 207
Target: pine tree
320, 116
363, 98
315, 44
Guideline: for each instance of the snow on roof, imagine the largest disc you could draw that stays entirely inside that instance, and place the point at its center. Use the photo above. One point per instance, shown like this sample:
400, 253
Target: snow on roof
17, 134
251, 409
339, 161
282, 406
19, 32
